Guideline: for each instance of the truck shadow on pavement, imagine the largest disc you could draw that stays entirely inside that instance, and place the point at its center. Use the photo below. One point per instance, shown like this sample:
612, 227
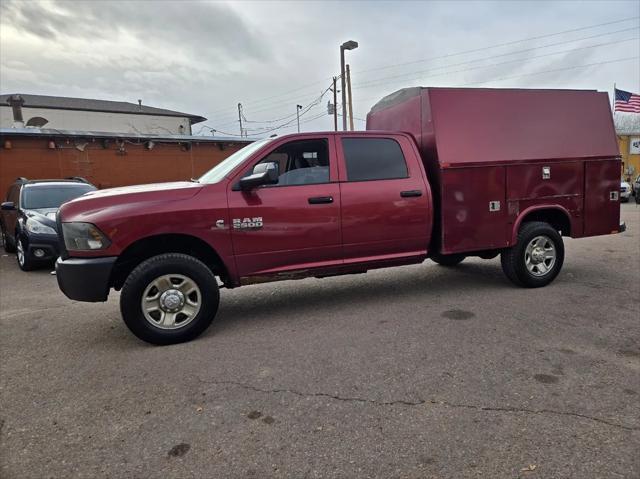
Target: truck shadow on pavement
292, 300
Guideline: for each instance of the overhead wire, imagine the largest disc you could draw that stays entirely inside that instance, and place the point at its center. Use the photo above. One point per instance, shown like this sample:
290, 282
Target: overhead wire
498, 45
453, 54
491, 57
421, 75
386, 80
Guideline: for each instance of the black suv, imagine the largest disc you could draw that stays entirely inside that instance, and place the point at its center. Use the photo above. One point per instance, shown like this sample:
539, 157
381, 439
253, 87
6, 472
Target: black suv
28, 218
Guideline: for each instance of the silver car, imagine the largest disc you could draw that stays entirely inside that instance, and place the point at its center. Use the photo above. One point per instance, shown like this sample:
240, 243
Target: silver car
625, 191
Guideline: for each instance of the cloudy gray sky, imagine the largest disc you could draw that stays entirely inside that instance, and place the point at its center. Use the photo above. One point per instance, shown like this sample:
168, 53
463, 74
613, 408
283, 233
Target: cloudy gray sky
204, 57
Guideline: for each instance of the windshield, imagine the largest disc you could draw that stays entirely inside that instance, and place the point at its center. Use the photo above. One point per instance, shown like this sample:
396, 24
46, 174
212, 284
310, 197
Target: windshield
221, 170
39, 197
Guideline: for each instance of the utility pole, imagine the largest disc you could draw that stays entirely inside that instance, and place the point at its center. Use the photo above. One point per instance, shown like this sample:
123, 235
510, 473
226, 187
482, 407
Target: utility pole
240, 118
350, 45
298, 108
350, 99
335, 104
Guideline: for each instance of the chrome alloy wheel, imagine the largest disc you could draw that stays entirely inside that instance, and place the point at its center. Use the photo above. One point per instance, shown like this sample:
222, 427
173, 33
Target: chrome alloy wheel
171, 301
540, 256
20, 252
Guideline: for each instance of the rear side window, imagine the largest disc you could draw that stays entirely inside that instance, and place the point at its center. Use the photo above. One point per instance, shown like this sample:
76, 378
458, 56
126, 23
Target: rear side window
373, 159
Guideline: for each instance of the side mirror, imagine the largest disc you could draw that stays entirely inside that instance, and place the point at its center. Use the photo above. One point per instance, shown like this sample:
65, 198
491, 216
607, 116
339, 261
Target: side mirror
263, 174
7, 206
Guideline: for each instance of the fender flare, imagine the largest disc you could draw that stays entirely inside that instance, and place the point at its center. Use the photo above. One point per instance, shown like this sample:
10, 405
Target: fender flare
523, 214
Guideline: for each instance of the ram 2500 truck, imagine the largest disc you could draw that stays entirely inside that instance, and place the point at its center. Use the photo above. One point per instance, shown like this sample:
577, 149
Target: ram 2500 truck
442, 173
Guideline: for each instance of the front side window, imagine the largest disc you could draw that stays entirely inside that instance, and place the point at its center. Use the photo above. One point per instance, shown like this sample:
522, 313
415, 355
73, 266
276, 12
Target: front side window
303, 162
373, 159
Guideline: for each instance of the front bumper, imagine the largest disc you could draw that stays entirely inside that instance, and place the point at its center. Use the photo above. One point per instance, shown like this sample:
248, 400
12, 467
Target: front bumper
625, 195
85, 279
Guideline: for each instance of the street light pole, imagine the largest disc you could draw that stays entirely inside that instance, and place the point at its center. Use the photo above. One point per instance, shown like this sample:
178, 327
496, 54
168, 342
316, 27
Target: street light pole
350, 98
298, 108
335, 104
350, 45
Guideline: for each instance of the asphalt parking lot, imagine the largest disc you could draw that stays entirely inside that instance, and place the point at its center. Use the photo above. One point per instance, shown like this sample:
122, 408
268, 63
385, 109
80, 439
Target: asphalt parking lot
418, 372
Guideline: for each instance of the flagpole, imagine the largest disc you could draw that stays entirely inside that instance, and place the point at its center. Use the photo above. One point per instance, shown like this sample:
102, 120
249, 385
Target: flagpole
613, 100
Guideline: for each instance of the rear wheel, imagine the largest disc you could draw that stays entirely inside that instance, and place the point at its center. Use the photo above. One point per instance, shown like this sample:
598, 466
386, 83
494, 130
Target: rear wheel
8, 245
170, 298
537, 258
448, 259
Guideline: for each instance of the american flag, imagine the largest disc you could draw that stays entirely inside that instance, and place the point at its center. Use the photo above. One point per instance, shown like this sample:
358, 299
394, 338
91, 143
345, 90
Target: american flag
626, 101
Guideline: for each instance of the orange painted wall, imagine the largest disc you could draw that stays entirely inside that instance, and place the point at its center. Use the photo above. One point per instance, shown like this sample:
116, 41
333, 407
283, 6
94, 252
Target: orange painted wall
107, 167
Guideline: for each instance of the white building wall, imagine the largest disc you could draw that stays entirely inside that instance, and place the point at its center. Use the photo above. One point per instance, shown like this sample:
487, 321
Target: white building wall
100, 121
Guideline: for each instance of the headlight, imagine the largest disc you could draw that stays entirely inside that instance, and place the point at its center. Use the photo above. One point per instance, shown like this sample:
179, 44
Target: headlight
83, 236
36, 227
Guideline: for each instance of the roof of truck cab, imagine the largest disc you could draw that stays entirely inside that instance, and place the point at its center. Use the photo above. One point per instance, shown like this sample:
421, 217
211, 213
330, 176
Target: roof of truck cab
475, 126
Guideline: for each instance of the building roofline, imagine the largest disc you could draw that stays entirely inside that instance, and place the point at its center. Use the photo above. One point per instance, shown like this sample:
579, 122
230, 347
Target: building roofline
53, 133
50, 102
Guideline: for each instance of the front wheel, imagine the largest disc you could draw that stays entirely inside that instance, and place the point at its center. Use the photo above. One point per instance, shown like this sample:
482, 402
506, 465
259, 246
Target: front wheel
25, 263
536, 259
170, 298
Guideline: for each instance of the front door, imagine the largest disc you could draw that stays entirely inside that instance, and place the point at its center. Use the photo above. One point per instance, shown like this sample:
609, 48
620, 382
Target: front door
294, 224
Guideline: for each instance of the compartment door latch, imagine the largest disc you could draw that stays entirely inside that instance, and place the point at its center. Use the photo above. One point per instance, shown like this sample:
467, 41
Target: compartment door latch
494, 206
546, 172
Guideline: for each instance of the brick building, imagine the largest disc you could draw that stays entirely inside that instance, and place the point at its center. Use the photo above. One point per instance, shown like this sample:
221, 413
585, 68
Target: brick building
108, 159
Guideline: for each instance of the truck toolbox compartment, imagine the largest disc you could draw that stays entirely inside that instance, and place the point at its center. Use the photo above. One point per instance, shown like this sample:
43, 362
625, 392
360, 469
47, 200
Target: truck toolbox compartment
491, 154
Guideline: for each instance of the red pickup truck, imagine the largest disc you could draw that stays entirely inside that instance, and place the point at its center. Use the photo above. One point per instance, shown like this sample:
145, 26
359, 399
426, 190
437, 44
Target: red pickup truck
443, 174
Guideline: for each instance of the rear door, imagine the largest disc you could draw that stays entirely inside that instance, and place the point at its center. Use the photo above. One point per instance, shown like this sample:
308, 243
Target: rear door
386, 210
294, 224
602, 197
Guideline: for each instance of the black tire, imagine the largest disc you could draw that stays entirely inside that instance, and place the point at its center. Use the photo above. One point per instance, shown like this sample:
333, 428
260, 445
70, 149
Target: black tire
168, 264
448, 260
8, 245
24, 262
514, 262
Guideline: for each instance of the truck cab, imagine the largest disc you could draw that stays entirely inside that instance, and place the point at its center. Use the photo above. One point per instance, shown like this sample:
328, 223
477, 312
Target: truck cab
301, 205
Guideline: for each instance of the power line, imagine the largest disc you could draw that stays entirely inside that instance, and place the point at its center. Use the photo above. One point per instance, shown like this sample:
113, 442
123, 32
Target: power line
314, 103
280, 105
555, 70
487, 47
422, 73
505, 55
513, 42
390, 79
264, 130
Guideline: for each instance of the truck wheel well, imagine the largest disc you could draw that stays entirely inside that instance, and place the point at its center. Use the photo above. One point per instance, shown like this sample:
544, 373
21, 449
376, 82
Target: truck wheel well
555, 217
146, 248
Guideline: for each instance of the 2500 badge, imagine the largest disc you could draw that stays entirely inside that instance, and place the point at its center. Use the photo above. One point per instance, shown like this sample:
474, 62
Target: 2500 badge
247, 223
